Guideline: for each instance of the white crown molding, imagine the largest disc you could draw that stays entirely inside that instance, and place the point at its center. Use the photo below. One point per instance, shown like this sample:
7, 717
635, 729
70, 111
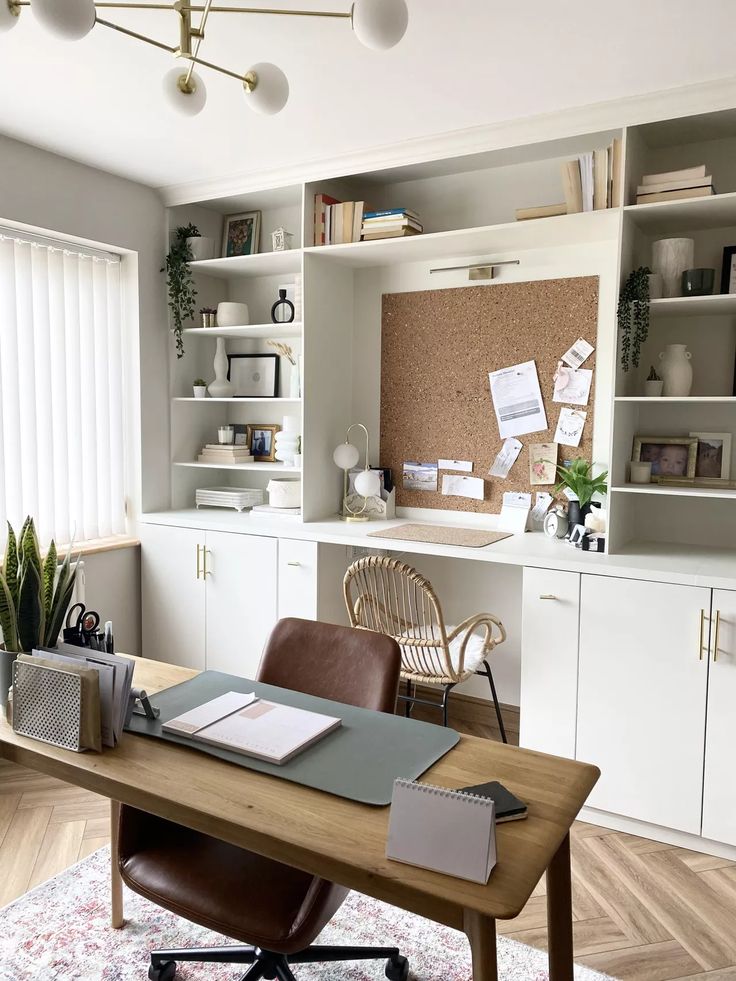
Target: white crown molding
614, 114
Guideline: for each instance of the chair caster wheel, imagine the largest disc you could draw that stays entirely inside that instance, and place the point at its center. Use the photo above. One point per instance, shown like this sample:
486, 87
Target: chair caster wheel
397, 969
165, 971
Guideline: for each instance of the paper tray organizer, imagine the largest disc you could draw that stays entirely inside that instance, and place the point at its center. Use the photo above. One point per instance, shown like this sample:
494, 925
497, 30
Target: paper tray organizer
47, 705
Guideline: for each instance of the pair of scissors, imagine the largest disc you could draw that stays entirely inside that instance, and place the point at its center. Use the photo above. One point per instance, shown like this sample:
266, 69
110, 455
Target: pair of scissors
86, 623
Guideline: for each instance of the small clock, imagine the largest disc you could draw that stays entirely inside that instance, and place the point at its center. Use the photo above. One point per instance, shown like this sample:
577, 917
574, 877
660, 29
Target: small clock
555, 523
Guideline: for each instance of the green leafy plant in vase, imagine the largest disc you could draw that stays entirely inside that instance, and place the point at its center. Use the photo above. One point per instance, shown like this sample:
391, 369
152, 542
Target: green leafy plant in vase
180, 283
579, 481
633, 316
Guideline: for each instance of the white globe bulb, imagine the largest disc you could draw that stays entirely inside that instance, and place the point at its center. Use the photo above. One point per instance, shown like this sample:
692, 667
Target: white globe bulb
368, 483
8, 16
346, 456
270, 93
68, 19
380, 24
186, 103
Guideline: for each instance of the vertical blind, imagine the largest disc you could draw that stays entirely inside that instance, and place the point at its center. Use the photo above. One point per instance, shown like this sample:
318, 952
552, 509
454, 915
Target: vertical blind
61, 388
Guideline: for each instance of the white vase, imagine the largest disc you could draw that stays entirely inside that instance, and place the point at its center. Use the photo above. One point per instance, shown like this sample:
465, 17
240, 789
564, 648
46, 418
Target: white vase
670, 258
232, 314
201, 247
676, 371
292, 381
221, 388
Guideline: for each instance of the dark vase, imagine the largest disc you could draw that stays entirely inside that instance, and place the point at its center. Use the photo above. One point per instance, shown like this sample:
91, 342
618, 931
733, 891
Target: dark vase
282, 312
576, 514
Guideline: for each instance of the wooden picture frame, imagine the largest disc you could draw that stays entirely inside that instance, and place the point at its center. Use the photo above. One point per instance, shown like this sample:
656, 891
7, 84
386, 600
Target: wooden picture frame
261, 440
666, 455
706, 462
728, 270
241, 234
254, 375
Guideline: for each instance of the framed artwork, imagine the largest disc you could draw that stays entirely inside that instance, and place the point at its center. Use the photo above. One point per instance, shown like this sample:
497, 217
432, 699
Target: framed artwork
242, 234
261, 439
728, 273
254, 375
670, 456
714, 455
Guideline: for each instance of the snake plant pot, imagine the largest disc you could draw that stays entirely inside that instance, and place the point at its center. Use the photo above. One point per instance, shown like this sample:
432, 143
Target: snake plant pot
7, 659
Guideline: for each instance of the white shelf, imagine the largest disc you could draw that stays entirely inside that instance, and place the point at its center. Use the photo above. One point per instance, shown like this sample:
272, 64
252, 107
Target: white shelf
657, 489
643, 399
716, 211
237, 401
264, 467
252, 331
262, 264
538, 233
717, 305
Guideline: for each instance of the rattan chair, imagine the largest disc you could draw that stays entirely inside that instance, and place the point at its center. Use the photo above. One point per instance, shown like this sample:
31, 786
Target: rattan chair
392, 598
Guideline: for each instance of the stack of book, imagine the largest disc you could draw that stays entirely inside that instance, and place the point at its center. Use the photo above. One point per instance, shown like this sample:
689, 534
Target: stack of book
674, 185
224, 455
592, 181
336, 222
391, 223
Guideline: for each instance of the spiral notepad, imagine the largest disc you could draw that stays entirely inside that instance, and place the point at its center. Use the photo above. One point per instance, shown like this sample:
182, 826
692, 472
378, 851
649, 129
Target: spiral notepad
442, 830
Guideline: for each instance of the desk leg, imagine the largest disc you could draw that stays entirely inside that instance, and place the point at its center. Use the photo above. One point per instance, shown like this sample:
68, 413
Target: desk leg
481, 931
559, 914
116, 883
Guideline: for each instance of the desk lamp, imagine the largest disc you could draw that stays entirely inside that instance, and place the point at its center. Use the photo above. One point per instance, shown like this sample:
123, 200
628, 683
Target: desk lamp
367, 483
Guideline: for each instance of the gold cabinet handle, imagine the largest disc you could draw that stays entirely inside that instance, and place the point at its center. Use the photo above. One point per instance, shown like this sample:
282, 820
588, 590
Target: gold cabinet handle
198, 570
716, 639
295, 564
205, 570
701, 645
547, 596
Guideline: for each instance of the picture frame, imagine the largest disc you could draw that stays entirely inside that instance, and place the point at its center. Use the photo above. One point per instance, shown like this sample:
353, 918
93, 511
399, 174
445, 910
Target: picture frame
241, 234
728, 270
261, 440
254, 375
713, 459
670, 456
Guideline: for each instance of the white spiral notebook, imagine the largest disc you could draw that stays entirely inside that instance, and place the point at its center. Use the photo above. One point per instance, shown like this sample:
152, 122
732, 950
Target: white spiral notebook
442, 830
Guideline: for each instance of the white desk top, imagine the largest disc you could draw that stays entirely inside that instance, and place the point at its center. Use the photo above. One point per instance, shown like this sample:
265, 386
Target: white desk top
683, 564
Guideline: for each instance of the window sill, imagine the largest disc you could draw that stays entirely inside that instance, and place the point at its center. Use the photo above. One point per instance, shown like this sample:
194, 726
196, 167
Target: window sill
97, 545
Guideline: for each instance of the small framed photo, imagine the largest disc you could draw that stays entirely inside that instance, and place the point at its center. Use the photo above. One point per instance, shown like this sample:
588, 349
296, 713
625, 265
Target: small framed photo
728, 273
242, 234
670, 456
714, 455
254, 375
261, 439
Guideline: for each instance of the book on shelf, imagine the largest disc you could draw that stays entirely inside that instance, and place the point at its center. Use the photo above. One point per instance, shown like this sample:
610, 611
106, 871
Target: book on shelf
586, 161
601, 186
542, 211
689, 174
616, 175
391, 213
592, 182
343, 222
321, 203
572, 186
397, 233
680, 185
682, 194
398, 222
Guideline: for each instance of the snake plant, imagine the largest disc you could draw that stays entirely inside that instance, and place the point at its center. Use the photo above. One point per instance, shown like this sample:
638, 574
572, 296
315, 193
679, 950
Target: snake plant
35, 592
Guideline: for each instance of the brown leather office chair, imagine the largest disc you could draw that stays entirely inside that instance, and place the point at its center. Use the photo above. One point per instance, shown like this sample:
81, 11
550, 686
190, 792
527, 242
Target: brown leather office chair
212, 883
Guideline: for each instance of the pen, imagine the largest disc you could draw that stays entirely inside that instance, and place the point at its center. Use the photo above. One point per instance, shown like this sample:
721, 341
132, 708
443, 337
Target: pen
109, 643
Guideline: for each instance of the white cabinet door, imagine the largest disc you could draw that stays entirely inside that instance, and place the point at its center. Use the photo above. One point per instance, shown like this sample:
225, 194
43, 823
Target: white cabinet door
241, 600
549, 661
641, 697
298, 595
172, 597
719, 801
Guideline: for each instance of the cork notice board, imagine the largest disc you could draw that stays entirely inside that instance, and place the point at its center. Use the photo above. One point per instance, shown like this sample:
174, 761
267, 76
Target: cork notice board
437, 348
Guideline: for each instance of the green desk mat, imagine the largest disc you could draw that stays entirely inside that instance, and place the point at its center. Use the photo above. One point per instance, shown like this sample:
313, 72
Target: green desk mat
360, 760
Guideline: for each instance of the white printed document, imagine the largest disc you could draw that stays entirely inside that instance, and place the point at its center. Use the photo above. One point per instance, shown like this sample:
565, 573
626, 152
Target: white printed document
517, 400
515, 512
506, 458
466, 466
454, 485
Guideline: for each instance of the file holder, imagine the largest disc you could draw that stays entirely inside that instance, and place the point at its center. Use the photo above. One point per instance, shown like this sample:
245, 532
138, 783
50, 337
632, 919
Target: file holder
47, 705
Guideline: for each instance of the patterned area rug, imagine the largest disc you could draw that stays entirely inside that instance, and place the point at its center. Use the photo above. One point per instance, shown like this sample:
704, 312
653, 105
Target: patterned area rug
60, 932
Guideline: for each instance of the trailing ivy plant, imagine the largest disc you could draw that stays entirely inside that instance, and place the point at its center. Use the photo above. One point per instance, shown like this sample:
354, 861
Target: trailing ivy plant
180, 283
633, 316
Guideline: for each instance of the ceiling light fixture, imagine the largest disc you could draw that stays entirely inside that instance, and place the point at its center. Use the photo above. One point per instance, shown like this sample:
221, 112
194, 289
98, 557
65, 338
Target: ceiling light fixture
378, 24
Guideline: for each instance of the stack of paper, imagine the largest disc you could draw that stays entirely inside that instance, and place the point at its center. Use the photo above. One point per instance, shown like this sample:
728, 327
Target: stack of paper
239, 498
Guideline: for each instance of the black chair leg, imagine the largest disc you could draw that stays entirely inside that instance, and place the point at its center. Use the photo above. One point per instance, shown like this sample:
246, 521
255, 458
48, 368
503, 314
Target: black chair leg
325, 955
211, 955
409, 703
489, 674
254, 974
282, 972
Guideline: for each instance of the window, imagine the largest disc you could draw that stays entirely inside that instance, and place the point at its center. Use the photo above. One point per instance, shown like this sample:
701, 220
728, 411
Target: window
61, 384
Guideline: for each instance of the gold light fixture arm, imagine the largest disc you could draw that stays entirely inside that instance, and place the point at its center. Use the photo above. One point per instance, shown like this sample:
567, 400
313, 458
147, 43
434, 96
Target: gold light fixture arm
137, 36
200, 9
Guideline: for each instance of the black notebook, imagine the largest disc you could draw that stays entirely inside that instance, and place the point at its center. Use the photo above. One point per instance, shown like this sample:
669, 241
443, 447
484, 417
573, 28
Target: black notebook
508, 807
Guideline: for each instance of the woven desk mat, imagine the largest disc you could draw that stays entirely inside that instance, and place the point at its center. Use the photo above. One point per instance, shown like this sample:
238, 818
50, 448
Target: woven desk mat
443, 535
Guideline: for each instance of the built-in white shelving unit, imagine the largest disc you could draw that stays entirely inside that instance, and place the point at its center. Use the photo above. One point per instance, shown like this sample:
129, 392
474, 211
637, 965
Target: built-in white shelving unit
255, 332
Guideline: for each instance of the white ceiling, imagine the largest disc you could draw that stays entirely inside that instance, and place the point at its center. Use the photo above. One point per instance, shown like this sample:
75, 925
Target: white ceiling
461, 64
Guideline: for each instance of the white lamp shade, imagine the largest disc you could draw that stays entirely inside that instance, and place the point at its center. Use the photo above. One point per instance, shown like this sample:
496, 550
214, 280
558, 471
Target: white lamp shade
346, 456
380, 24
186, 103
8, 16
368, 484
271, 92
68, 19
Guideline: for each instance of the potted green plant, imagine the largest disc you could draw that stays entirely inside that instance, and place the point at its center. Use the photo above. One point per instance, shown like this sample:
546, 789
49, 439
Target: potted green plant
653, 385
633, 316
581, 486
35, 594
180, 282
200, 388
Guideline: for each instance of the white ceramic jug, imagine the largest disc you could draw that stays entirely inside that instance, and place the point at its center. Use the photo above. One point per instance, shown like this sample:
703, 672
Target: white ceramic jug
676, 370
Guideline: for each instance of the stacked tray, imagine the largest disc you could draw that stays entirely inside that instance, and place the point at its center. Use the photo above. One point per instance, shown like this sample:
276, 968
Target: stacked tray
238, 498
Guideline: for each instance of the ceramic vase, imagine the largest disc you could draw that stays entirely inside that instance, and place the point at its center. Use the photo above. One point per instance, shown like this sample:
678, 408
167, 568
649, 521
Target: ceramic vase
655, 286
676, 371
221, 388
201, 248
670, 258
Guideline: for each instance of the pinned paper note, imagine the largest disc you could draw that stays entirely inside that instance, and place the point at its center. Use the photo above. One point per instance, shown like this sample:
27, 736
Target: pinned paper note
578, 353
572, 385
542, 503
517, 400
570, 426
455, 485
542, 463
506, 458
514, 512
464, 465
420, 476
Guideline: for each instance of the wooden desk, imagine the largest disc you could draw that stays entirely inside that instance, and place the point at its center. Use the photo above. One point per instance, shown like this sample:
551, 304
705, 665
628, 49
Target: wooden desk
341, 840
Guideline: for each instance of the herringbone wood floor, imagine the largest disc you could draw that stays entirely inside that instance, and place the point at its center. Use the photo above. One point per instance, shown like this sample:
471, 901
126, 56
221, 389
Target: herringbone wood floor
643, 911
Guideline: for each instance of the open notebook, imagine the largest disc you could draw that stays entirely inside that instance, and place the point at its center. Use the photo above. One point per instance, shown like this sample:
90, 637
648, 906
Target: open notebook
265, 730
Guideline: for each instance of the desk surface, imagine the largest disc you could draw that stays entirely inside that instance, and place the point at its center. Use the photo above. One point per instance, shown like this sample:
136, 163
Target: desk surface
326, 835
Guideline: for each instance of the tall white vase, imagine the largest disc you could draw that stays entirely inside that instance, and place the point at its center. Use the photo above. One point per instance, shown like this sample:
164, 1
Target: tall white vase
670, 258
676, 371
221, 388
